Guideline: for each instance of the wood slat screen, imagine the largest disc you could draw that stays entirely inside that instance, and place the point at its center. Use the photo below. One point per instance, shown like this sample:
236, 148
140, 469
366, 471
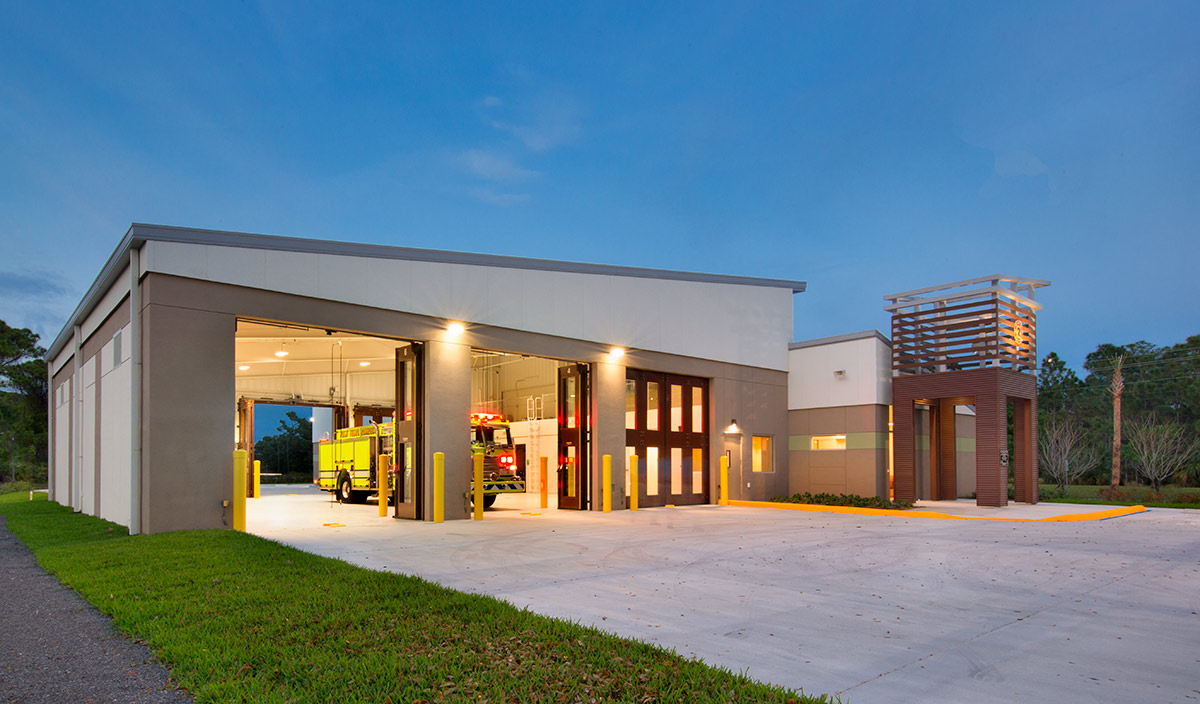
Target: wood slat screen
990, 329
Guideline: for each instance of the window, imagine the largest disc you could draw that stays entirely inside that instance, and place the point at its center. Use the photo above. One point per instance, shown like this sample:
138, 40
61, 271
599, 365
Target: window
829, 442
761, 455
630, 404
117, 349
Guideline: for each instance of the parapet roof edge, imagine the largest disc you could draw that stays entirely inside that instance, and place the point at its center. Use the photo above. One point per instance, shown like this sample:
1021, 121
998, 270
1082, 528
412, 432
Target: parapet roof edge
846, 337
140, 233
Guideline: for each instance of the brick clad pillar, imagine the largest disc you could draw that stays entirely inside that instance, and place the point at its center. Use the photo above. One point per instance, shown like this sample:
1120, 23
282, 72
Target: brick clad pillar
945, 487
991, 436
904, 464
1024, 470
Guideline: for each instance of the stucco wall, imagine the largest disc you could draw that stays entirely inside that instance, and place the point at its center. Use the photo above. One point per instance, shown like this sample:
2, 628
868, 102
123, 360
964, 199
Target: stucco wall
741, 324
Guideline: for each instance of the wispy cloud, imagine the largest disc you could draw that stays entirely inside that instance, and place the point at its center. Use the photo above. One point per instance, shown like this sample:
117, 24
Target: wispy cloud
494, 167
491, 197
543, 122
30, 285
40, 301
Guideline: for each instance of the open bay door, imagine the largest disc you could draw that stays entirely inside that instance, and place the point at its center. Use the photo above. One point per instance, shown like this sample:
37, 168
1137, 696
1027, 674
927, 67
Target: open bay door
574, 426
407, 482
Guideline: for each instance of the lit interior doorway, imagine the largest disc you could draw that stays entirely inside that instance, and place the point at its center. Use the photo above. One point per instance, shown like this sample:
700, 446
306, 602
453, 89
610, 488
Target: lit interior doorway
346, 386
536, 407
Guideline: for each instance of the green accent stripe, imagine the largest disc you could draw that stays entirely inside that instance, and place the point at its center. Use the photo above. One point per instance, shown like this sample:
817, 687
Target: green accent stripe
866, 441
854, 441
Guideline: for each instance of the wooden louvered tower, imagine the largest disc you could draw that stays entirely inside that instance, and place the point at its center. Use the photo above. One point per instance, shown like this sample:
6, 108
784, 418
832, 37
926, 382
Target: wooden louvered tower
963, 343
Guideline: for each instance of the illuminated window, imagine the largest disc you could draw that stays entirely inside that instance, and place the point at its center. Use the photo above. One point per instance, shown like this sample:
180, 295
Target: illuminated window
829, 442
761, 454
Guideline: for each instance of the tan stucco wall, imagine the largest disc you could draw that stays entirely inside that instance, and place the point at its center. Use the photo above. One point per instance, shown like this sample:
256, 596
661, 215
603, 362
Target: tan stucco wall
187, 416
860, 469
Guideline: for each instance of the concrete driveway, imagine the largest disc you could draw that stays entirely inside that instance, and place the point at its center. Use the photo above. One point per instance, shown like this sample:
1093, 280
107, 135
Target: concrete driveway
874, 609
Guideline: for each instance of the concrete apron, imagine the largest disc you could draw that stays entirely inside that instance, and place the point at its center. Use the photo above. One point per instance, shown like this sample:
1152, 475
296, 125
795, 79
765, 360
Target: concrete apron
874, 608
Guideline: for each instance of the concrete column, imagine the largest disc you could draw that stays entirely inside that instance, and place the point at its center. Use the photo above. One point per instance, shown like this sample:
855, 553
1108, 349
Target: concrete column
608, 430
446, 421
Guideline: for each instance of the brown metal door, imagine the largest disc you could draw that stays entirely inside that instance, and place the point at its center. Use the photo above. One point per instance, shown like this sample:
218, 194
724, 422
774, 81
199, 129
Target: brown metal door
668, 431
574, 423
407, 484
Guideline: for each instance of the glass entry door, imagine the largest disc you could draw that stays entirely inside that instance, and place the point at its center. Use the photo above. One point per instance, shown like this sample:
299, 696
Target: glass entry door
574, 424
407, 484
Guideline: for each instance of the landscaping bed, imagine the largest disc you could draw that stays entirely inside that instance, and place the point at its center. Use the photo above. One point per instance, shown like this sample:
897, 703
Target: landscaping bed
844, 500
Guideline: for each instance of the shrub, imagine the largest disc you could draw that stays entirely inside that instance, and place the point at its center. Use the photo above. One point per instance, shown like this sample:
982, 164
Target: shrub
843, 500
1115, 494
17, 487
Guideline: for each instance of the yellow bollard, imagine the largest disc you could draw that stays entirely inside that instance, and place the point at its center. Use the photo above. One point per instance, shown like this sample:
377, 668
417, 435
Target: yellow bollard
239, 490
257, 473
381, 482
633, 482
606, 480
477, 487
724, 501
439, 487
545, 481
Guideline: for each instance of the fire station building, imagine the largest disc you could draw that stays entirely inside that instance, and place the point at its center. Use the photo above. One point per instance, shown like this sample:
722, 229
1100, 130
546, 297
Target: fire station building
155, 377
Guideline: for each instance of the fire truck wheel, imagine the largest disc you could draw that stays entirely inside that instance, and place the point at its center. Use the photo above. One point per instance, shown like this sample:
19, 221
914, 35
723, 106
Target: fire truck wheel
344, 492
488, 500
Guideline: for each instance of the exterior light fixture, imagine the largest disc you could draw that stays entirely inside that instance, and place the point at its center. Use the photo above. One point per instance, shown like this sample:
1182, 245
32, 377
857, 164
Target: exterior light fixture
455, 329
243, 367
364, 364
733, 428
616, 353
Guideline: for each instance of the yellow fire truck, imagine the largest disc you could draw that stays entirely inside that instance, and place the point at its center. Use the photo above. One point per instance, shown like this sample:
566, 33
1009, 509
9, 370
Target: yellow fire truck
348, 464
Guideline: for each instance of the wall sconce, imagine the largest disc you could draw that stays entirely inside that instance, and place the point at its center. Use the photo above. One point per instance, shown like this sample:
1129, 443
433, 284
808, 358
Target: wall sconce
616, 353
733, 428
455, 329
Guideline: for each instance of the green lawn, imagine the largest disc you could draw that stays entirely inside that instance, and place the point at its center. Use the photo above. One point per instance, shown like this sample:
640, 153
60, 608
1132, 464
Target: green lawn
1172, 496
240, 619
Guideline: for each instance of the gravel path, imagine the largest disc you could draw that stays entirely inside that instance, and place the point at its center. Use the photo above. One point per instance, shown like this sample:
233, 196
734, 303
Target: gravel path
55, 647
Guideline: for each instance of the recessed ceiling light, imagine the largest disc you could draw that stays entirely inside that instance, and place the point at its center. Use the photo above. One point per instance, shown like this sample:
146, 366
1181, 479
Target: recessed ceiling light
364, 364
281, 353
243, 367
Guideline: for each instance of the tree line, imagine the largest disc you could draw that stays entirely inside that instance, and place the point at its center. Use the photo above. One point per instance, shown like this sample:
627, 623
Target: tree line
1135, 415
23, 401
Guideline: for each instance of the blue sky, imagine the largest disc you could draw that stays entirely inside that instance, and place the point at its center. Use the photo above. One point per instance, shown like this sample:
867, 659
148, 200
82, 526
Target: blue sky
866, 148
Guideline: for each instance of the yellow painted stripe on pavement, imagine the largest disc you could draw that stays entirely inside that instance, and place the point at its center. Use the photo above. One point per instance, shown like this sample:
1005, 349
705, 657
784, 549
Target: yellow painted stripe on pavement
911, 513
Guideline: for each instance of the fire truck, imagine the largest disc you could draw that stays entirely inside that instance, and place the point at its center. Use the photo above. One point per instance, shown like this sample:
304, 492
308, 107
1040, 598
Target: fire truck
348, 463
491, 436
